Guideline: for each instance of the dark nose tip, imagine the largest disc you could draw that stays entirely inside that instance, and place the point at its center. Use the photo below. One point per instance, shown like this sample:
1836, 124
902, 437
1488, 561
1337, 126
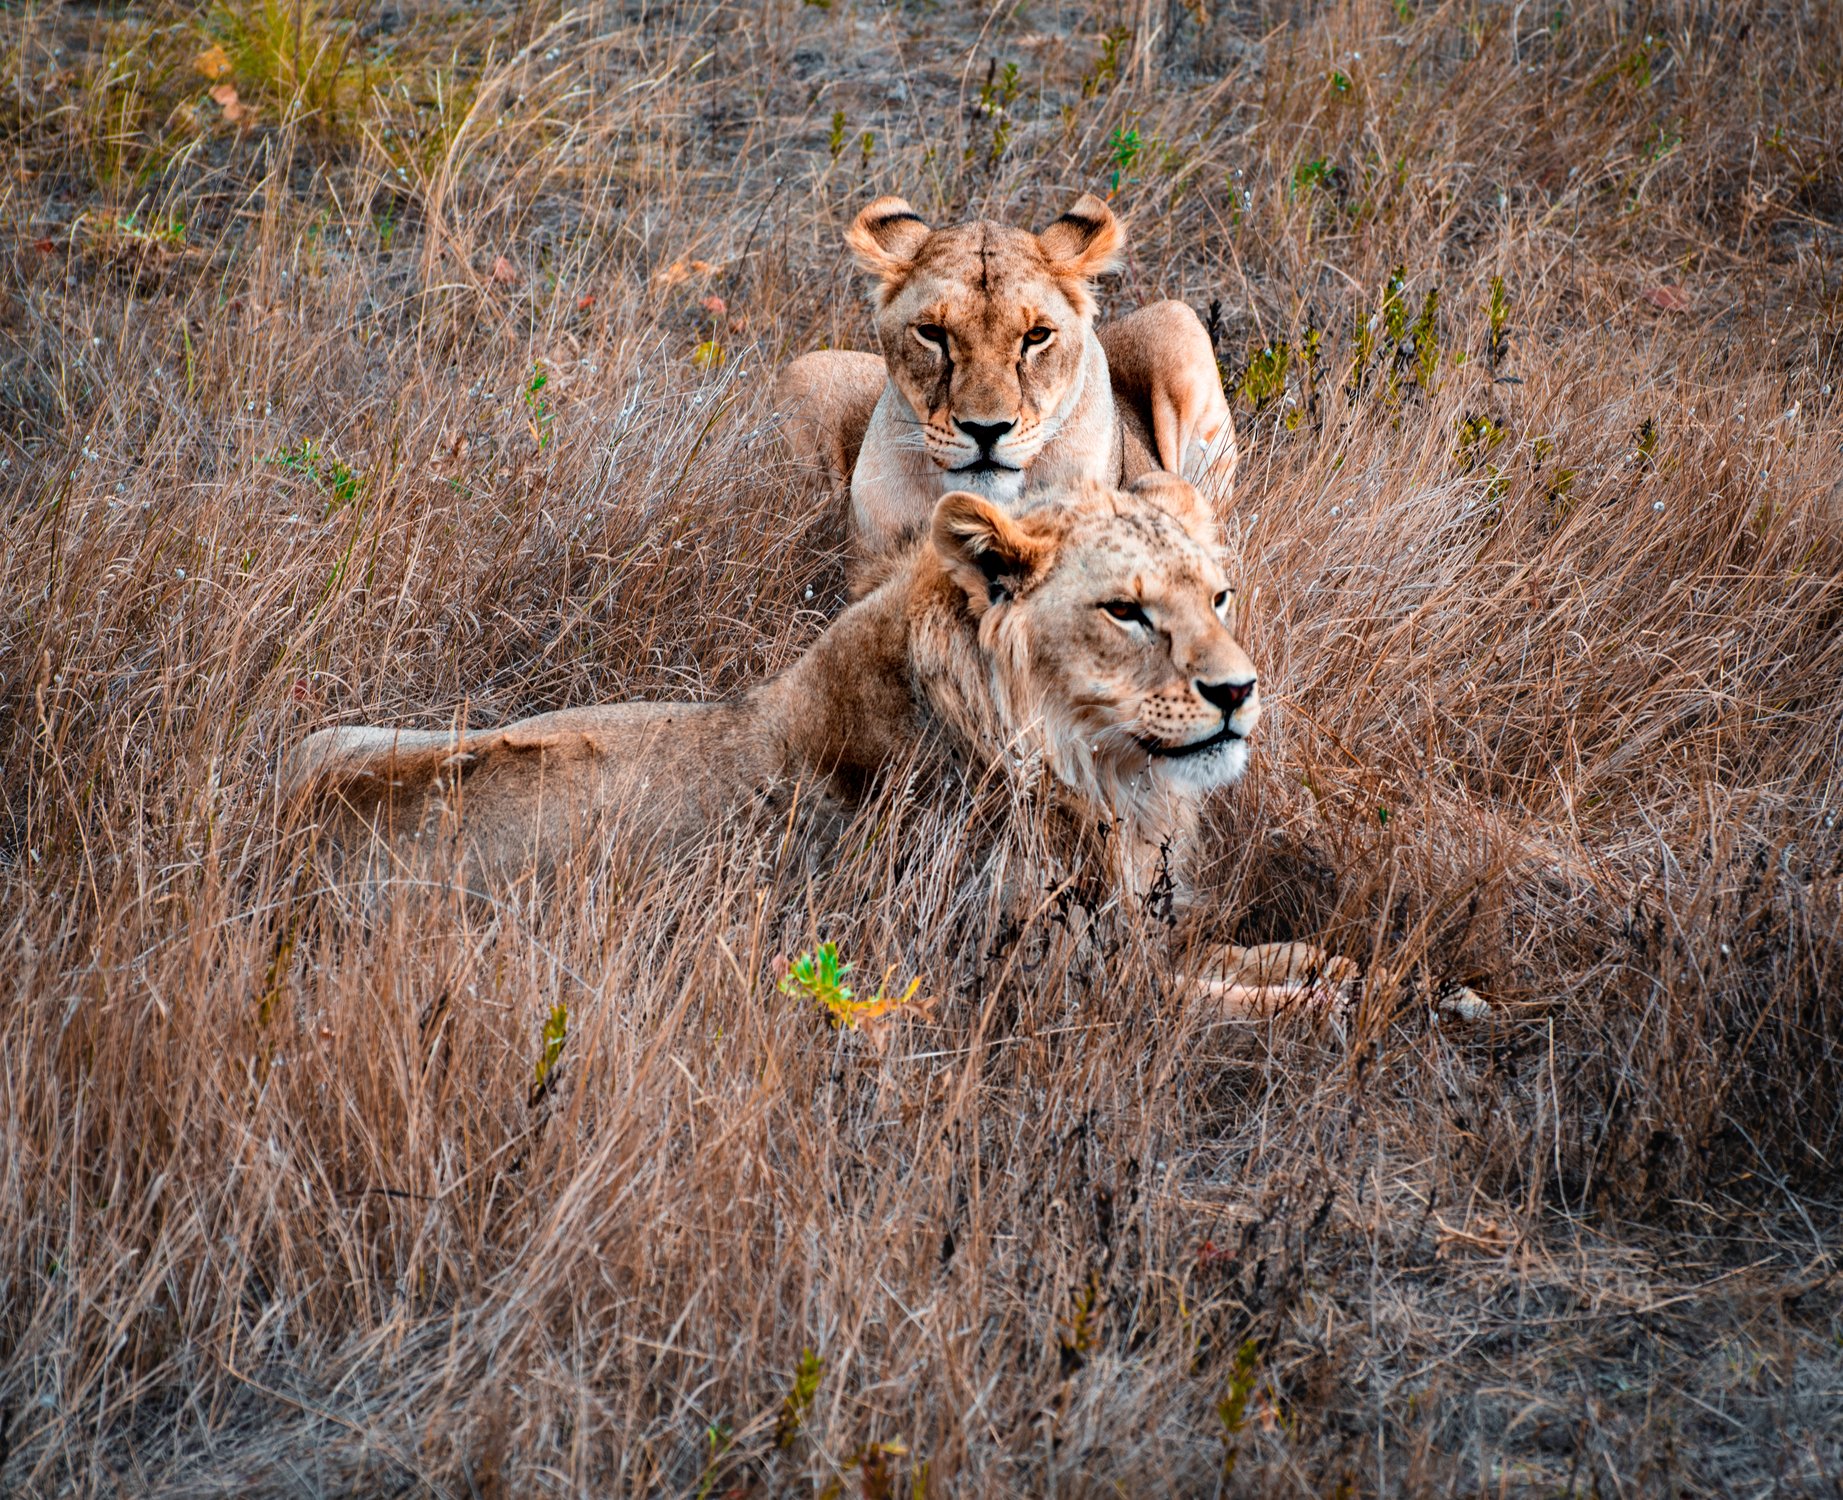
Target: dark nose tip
1227, 696
986, 434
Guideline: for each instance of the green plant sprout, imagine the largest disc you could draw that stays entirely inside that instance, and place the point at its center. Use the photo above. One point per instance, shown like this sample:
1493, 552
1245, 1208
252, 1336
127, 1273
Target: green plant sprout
799, 1400
1232, 1409
1644, 444
540, 415
1316, 173
334, 478
1081, 1327
1497, 314
1001, 88
821, 977
556, 1033
1264, 381
717, 1435
1123, 147
1106, 67
1479, 436
1425, 337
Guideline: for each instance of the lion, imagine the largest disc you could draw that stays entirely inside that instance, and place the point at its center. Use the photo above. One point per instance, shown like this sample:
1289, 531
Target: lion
994, 379
1081, 638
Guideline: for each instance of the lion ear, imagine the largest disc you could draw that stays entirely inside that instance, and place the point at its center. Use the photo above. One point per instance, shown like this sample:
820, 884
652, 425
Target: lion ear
1085, 242
885, 238
1182, 501
988, 554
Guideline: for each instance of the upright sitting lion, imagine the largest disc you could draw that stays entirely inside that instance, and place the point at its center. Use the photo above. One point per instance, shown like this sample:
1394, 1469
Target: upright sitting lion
994, 379
1081, 638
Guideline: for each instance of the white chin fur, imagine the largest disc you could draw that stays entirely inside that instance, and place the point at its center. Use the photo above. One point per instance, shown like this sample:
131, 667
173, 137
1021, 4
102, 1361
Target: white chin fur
1204, 773
1001, 486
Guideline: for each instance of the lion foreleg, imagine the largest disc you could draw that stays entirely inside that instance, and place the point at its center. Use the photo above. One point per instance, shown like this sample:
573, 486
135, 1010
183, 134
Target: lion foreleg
1164, 368
1275, 978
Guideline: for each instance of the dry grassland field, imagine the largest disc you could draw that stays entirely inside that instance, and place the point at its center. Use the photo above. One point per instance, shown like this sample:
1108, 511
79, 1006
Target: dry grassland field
409, 362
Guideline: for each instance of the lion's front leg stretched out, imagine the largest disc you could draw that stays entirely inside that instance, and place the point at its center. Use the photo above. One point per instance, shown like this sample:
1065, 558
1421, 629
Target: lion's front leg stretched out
1249, 983
1274, 977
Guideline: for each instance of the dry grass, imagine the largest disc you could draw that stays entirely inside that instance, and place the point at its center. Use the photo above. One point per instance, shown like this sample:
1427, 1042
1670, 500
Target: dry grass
1552, 614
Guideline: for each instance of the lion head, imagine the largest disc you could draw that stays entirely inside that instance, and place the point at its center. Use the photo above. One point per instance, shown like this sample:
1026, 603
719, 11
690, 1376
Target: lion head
985, 329
1104, 618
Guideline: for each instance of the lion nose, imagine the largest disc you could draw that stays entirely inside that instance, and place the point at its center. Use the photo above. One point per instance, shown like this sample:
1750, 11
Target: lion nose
1227, 696
986, 434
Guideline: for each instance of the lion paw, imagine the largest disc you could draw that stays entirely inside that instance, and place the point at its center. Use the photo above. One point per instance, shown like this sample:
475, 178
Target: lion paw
1290, 963
1461, 1004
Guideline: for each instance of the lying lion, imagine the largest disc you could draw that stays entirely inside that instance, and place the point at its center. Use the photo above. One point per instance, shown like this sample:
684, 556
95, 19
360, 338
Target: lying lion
1085, 632
993, 378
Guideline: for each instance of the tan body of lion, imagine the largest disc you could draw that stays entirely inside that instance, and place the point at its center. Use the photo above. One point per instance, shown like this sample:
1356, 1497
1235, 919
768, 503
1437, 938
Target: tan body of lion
1085, 637
1081, 641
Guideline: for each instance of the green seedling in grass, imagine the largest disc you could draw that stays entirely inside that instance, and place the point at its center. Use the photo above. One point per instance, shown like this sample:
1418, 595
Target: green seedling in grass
1105, 69
1425, 337
1123, 147
556, 1033
799, 1399
1560, 488
1393, 317
1264, 381
337, 480
1479, 436
1644, 444
717, 1436
1081, 1329
1232, 1409
820, 976
539, 416
1497, 315
1310, 355
1001, 139
1395, 325
1394, 308
1000, 89
341, 482
835, 142
169, 232
1309, 175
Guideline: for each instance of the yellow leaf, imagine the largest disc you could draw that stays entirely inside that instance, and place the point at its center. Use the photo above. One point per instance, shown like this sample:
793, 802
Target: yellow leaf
708, 355
213, 62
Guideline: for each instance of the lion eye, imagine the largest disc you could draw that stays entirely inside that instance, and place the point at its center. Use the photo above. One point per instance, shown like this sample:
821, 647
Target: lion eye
1223, 599
932, 333
1037, 335
1127, 612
